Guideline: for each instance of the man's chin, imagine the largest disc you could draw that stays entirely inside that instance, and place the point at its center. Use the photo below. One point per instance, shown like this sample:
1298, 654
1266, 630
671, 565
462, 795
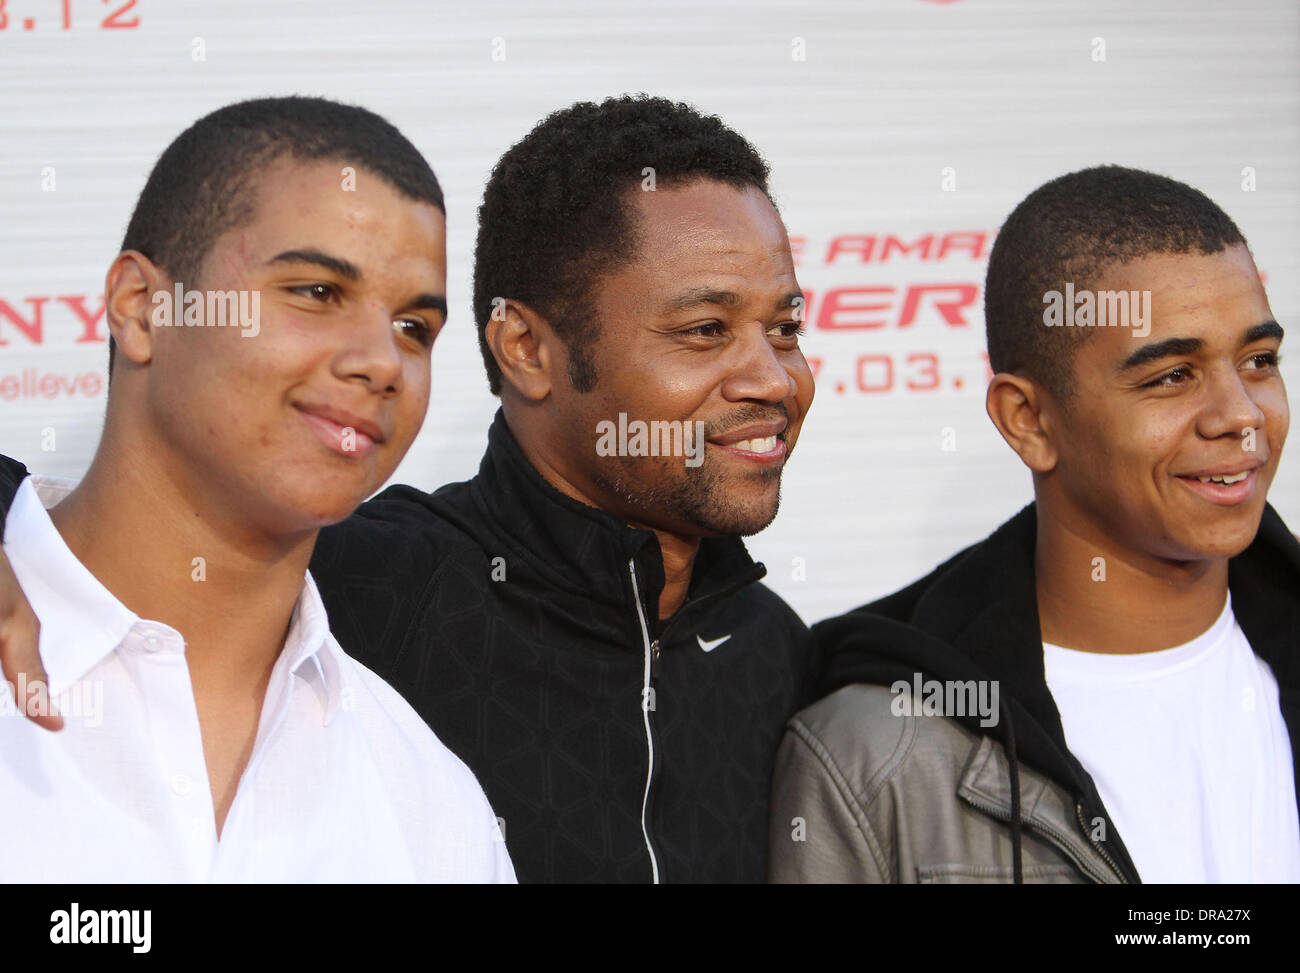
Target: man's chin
317, 509
736, 521
1224, 546
1205, 542
704, 505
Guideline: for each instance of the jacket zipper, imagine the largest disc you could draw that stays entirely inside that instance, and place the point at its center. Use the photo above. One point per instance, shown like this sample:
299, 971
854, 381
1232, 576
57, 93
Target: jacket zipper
1058, 838
1105, 856
651, 653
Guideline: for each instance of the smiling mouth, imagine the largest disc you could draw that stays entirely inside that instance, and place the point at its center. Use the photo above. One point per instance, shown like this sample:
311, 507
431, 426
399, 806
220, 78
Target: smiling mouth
1224, 489
759, 444
763, 453
343, 439
764, 444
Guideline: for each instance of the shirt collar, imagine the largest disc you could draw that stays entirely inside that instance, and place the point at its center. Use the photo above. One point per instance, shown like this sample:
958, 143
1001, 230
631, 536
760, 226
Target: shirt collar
313, 654
82, 621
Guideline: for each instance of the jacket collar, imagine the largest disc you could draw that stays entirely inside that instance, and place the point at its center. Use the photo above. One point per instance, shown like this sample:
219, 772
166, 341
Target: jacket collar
585, 550
986, 605
1265, 582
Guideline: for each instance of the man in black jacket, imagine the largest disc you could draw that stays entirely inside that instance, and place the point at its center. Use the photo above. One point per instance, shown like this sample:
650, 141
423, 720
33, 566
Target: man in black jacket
580, 622
1108, 687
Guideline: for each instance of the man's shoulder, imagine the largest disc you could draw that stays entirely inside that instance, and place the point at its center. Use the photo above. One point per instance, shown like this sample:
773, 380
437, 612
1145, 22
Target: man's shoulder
862, 734
438, 799
772, 607
402, 535
408, 749
407, 515
390, 721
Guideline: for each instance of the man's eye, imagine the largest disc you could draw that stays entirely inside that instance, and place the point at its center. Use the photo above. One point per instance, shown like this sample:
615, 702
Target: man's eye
710, 329
415, 329
1264, 359
1171, 378
319, 292
788, 329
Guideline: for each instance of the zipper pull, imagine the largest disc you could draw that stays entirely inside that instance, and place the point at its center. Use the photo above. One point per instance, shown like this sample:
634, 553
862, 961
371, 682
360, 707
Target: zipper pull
654, 649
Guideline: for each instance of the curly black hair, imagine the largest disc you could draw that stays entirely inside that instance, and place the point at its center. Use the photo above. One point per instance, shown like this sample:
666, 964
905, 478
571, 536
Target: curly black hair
555, 215
204, 183
1073, 229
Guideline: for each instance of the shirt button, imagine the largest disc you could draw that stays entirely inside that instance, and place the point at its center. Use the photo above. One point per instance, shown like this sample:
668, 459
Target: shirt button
180, 785
152, 643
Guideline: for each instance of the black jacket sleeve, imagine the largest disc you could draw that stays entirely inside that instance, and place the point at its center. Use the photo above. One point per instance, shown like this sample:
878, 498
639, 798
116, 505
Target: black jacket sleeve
12, 474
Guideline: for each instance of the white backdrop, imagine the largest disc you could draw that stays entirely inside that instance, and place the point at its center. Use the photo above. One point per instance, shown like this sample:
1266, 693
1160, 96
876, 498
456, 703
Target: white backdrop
864, 109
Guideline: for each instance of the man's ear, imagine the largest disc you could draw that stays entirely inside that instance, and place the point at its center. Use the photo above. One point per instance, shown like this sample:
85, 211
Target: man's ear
524, 346
129, 288
1023, 413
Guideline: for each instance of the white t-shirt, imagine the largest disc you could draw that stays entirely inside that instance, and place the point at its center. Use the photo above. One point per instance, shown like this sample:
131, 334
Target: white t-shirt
1190, 753
345, 783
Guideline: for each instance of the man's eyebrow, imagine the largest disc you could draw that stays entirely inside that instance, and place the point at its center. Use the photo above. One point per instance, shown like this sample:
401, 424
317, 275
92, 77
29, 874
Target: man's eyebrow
1269, 329
712, 295
435, 302
702, 295
1189, 346
344, 268
350, 271
1161, 349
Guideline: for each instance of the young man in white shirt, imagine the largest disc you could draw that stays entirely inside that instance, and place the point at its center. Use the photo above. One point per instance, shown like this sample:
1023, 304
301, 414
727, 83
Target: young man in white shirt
272, 313
1105, 689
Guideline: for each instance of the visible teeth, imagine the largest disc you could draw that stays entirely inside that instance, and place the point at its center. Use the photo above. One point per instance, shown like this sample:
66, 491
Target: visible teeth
764, 445
1225, 480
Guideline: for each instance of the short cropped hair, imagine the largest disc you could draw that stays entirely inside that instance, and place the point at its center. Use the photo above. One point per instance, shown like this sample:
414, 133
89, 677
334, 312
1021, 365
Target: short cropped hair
204, 184
556, 211
1073, 229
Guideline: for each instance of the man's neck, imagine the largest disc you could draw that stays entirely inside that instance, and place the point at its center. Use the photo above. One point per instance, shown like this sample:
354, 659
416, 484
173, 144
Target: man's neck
170, 557
1097, 597
678, 552
178, 550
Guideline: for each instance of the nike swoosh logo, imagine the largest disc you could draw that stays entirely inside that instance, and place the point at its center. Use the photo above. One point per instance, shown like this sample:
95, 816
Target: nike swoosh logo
710, 646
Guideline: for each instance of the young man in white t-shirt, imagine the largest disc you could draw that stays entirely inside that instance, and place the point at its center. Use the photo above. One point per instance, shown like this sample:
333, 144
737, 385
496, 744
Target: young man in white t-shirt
272, 313
1105, 689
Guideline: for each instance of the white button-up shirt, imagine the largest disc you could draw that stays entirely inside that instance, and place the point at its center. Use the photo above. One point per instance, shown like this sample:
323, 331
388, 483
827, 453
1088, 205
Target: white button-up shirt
345, 783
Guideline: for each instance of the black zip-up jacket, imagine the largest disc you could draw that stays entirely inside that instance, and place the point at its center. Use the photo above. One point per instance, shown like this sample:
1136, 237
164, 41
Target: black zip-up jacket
976, 617
522, 626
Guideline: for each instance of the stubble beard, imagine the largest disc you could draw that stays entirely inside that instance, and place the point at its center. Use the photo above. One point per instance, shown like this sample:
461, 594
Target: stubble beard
699, 498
